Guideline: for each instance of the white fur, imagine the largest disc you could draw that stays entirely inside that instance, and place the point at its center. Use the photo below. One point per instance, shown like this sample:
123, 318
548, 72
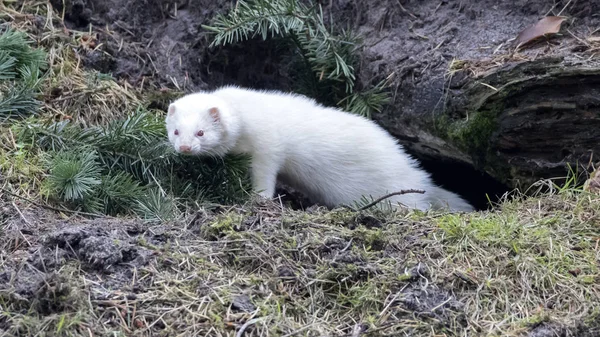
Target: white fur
334, 157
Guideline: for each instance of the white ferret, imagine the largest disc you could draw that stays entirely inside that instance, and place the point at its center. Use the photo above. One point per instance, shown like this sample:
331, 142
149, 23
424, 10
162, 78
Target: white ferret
332, 156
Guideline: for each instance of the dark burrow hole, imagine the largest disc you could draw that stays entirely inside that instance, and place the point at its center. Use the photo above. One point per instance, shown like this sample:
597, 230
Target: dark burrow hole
478, 188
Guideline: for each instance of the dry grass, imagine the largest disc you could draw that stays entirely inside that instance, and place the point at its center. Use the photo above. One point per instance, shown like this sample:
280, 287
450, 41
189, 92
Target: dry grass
69, 90
529, 266
72, 91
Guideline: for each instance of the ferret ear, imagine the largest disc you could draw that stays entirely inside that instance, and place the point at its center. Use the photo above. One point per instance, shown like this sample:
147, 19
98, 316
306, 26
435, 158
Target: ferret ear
171, 109
215, 114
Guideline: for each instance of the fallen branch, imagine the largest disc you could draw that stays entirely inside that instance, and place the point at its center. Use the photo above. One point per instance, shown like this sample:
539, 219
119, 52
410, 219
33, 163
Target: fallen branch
383, 198
56, 209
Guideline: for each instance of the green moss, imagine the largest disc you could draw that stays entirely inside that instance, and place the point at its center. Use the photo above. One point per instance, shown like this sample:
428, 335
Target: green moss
488, 230
535, 320
540, 249
372, 239
474, 134
362, 298
405, 277
19, 165
223, 225
340, 216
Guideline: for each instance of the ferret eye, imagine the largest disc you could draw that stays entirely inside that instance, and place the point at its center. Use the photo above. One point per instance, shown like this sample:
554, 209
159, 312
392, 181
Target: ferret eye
176, 132
200, 133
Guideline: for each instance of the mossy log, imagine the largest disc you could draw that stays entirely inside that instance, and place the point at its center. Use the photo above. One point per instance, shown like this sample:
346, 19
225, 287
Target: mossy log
520, 122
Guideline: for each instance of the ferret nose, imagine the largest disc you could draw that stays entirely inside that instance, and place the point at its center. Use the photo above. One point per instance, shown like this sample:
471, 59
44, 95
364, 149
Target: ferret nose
185, 148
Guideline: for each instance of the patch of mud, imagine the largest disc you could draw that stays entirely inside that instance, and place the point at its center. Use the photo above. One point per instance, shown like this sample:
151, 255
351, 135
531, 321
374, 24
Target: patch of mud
432, 303
242, 303
548, 329
554, 329
163, 44
94, 245
45, 293
41, 253
293, 199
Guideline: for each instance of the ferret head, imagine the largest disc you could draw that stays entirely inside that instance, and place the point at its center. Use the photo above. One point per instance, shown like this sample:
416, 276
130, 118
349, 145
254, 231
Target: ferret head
196, 125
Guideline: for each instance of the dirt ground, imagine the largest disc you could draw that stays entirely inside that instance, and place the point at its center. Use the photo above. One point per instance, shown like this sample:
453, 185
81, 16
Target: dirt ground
269, 271
416, 40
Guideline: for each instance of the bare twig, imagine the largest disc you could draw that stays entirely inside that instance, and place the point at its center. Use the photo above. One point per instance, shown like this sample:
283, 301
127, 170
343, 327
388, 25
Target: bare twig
247, 324
562, 10
53, 208
405, 11
383, 198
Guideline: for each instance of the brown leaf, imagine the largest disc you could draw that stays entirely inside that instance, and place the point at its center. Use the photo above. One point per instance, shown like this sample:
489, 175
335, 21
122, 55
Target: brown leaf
547, 25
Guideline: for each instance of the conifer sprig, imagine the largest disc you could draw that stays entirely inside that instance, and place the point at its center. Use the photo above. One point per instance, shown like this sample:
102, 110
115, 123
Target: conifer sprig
18, 46
130, 168
74, 174
7, 66
20, 75
17, 101
253, 18
329, 58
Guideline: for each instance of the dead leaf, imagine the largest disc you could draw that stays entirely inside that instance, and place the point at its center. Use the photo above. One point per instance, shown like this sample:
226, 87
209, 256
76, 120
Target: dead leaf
546, 26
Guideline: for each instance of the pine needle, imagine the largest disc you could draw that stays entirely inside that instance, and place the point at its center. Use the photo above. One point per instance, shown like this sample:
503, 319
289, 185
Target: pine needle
327, 62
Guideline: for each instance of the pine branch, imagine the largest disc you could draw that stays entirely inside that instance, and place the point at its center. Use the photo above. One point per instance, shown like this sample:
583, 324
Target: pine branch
368, 101
328, 55
55, 136
119, 191
74, 174
17, 45
135, 160
17, 102
20, 75
328, 61
154, 206
331, 56
31, 76
249, 19
7, 66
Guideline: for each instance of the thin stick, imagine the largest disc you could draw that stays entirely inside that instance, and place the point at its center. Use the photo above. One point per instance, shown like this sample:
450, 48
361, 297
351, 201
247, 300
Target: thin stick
53, 208
247, 324
441, 304
385, 197
24, 219
405, 11
562, 10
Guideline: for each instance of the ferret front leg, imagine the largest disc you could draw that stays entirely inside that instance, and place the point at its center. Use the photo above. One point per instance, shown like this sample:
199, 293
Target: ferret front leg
264, 176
